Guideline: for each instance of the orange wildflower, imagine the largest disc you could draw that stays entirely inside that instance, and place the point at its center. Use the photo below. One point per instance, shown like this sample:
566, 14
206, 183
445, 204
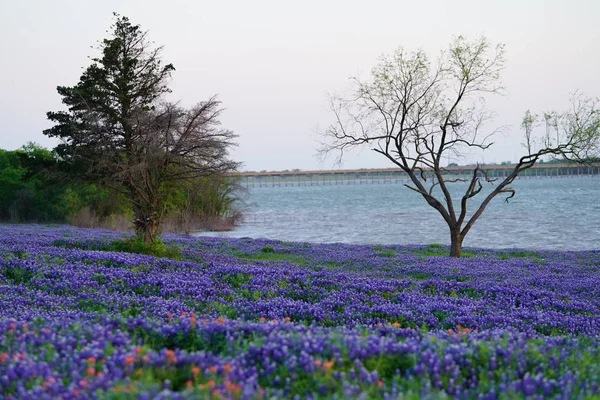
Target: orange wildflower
317, 363
146, 358
213, 369
138, 351
211, 384
83, 383
396, 325
75, 392
3, 357
91, 371
173, 360
195, 371
220, 320
189, 384
183, 314
328, 365
170, 353
227, 368
129, 360
91, 360
217, 394
100, 373
193, 319
233, 387
287, 319
262, 319
380, 383
169, 316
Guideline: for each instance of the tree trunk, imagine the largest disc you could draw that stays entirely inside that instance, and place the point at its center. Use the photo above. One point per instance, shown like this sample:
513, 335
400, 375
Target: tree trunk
146, 224
456, 240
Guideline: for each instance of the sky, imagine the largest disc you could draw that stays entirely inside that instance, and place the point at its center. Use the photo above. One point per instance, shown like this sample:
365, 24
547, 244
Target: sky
273, 62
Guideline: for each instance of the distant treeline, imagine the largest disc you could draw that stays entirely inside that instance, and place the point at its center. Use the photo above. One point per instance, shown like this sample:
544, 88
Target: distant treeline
32, 191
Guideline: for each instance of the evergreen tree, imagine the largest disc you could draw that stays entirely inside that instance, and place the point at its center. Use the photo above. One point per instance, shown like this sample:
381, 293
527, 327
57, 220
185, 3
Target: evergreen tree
119, 131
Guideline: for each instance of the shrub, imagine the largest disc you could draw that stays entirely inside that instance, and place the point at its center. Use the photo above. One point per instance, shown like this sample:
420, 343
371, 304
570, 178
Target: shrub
137, 245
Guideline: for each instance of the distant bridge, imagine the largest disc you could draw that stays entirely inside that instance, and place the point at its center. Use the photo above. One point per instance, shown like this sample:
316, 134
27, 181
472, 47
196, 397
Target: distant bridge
396, 175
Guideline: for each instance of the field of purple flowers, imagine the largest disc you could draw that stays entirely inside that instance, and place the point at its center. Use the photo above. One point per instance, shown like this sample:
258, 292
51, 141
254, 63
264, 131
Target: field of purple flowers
258, 319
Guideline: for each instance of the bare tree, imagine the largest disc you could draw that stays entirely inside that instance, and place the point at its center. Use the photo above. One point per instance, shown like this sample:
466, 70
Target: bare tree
418, 115
170, 144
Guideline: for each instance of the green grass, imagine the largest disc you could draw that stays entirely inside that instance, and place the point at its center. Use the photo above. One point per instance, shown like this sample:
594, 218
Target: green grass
420, 276
132, 244
439, 250
387, 253
17, 275
268, 255
520, 254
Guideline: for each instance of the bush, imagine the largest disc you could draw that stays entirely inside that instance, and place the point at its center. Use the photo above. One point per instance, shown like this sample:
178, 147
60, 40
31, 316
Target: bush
137, 245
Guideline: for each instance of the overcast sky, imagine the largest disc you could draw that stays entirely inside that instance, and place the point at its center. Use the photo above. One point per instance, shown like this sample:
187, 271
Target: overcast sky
272, 63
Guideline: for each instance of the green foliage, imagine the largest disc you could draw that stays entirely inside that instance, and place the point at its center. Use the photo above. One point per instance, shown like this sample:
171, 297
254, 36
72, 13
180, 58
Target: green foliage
390, 365
18, 275
191, 340
438, 250
136, 245
421, 276
235, 280
269, 254
133, 244
26, 194
387, 253
30, 191
89, 305
202, 198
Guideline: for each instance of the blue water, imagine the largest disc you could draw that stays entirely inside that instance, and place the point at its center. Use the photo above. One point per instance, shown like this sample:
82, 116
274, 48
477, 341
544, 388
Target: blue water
546, 213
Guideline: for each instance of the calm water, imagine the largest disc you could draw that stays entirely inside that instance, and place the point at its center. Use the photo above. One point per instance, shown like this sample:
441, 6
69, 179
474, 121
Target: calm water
546, 213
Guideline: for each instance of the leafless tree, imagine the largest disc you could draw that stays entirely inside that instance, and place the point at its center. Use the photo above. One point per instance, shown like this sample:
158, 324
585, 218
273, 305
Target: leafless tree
169, 144
418, 115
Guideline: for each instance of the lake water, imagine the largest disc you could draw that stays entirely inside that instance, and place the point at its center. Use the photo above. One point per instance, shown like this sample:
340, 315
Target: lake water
546, 213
